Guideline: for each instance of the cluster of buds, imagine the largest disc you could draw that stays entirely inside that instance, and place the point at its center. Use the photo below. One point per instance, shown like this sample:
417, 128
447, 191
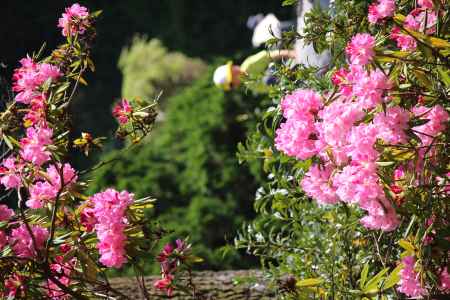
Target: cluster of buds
135, 118
173, 259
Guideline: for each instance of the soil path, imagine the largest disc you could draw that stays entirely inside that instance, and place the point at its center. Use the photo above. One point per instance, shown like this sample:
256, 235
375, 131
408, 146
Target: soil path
223, 285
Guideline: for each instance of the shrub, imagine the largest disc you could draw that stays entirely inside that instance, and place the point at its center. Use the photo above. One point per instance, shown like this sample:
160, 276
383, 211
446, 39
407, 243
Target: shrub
356, 201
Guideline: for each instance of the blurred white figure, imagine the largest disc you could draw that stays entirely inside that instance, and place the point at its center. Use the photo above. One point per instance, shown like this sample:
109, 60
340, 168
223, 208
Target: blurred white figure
266, 29
305, 54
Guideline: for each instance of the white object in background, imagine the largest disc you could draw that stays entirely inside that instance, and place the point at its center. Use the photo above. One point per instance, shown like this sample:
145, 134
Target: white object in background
265, 30
305, 54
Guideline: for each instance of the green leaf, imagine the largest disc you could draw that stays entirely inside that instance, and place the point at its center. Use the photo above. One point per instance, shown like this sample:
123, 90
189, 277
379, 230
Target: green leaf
444, 76
393, 278
309, 282
372, 284
364, 273
406, 245
289, 2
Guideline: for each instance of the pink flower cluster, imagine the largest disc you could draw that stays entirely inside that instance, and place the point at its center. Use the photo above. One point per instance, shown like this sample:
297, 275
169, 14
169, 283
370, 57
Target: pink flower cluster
61, 270
381, 9
74, 21
360, 49
109, 208
22, 243
409, 279
34, 145
42, 192
122, 111
29, 77
13, 286
437, 118
415, 21
296, 137
10, 173
344, 134
170, 258
404, 41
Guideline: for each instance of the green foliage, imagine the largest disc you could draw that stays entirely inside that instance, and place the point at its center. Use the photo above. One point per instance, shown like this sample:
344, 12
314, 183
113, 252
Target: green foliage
149, 68
189, 165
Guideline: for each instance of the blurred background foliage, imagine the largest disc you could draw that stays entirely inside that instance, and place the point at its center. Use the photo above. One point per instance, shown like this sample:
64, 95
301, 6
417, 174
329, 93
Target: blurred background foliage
189, 162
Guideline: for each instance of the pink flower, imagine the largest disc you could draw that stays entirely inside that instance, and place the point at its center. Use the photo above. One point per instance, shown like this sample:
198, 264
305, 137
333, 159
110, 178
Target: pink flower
22, 243
317, 184
416, 21
360, 49
425, 4
301, 104
296, 138
30, 76
164, 284
444, 280
15, 283
34, 145
438, 119
359, 183
385, 218
74, 21
10, 173
404, 41
109, 209
381, 9
392, 125
122, 111
5, 213
87, 218
338, 119
40, 194
369, 88
69, 175
61, 270
3, 240
361, 141
409, 280
36, 114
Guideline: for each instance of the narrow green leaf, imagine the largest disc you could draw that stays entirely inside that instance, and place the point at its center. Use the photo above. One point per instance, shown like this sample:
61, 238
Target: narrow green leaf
364, 273
309, 282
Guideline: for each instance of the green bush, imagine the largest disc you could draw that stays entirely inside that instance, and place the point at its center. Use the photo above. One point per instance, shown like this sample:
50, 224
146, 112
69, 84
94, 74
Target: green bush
190, 166
149, 68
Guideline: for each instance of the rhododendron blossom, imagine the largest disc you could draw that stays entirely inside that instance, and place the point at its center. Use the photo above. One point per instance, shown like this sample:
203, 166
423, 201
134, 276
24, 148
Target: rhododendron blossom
427, 4
381, 9
409, 279
417, 18
5, 213
67, 173
109, 208
444, 280
369, 88
30, 76
41, 193
74, 21
391, 125
122, 111
34, 145
301, 104
296, 138
317, 184
437, 118
22, 244
3, 240
404, 41
10, 173
360, 49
